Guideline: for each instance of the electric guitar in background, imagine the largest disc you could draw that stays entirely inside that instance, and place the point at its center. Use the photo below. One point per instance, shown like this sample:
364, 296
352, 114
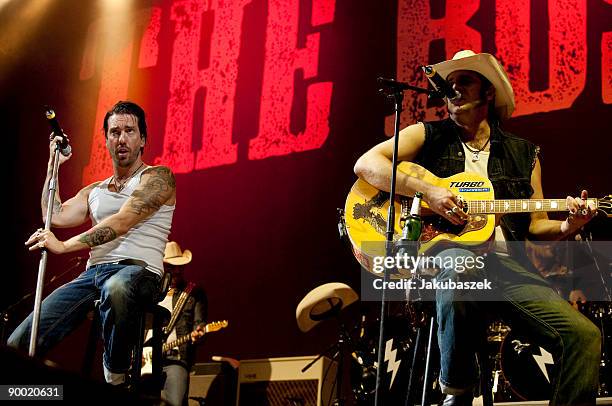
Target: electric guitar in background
366, 211
147, 352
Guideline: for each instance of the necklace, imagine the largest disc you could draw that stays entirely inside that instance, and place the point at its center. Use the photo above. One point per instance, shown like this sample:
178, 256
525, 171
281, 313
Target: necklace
119, 186
474, 151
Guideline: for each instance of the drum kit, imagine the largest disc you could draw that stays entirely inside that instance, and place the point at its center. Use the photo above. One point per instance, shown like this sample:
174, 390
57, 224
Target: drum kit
521, 370
401, 339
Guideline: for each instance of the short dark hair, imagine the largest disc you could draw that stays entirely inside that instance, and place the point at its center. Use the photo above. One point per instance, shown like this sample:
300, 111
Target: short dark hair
485, 86
128, 107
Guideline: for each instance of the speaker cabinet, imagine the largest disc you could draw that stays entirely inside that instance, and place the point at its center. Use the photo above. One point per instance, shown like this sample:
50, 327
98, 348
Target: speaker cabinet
212, 383
281, 382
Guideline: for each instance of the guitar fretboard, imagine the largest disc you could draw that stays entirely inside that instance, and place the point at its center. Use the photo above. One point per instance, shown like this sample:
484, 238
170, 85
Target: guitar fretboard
210, 327
519, 205
176, 343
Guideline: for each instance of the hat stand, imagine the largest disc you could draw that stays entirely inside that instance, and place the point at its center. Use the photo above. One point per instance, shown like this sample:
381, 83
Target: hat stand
338, 348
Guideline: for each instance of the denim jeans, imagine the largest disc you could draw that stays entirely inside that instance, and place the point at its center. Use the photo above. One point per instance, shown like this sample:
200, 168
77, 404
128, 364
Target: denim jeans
176, 384
532, 308
122, 289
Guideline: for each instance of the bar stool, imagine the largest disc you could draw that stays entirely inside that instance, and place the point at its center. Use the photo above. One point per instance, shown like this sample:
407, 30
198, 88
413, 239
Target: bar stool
482, 356
153, 317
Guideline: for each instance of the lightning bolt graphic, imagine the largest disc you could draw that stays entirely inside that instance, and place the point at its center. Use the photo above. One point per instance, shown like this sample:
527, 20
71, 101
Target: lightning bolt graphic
393, 365
542, 360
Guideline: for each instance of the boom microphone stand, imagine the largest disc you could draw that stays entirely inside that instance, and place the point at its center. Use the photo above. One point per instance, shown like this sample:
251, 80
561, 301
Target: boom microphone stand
42, 265
5, 315
338, 349
394, 90
587, 239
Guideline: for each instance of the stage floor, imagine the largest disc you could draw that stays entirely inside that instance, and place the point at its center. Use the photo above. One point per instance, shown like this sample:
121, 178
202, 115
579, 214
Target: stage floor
478, 402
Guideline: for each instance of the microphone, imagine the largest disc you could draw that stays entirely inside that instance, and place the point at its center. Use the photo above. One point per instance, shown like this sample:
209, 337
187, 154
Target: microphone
393, 84
65, 148
444, 88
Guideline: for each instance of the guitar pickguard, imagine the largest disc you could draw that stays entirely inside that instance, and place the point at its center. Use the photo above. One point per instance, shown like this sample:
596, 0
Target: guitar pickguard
436, 225
368, 211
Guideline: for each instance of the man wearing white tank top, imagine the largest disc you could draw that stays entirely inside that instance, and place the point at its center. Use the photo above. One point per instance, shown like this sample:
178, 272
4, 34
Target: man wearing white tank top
471, 139
131, 214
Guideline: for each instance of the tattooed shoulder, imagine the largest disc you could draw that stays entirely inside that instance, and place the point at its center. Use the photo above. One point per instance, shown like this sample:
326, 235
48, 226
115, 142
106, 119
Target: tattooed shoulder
155, 189
162, 173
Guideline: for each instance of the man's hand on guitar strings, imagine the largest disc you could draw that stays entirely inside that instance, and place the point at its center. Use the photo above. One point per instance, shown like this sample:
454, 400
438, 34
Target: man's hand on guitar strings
579, 212
446, 204
197, 333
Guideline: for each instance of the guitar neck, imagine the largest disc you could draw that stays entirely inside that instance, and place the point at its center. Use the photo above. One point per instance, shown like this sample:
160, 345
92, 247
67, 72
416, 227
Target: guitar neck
176, 343
520, 206
207, 328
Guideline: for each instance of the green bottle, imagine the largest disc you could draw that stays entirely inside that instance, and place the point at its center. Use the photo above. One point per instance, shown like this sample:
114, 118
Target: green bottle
413, 225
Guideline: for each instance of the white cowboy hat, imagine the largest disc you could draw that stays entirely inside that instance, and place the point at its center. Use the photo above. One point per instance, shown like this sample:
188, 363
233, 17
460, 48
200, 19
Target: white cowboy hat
322, 302
490, 68
174, 256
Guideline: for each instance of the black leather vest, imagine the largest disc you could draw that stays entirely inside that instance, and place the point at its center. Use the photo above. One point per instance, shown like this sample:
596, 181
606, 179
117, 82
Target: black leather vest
510, 164
194, 312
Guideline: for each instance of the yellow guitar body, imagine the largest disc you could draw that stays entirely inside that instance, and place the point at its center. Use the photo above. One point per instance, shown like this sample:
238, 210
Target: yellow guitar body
366, 211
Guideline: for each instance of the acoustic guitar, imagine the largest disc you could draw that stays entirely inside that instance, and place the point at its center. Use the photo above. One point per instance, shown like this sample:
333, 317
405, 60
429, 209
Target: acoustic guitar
366, 211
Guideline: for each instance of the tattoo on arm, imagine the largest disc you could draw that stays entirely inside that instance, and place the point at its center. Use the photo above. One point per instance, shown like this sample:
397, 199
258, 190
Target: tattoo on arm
98, 236
57, 202
155, 191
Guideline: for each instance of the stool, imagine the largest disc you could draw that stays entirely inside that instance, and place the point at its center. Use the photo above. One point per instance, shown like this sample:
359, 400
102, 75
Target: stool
153, 317
486, 378
486, 384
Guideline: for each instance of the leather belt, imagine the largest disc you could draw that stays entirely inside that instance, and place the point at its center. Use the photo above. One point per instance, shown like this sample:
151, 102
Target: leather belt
131, 262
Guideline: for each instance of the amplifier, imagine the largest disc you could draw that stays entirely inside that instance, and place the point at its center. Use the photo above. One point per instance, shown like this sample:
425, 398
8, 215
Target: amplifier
213, 384
281, 382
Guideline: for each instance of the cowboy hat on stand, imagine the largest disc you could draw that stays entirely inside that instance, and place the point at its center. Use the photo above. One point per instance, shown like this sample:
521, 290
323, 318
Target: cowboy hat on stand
323, 302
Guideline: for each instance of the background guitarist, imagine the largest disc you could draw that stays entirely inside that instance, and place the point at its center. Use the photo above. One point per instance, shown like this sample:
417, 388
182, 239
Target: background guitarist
178, 362
471, 140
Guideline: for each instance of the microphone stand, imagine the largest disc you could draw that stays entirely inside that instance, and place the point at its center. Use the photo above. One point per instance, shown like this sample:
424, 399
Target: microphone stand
587, 239
339, 348
4, 315
42, 265
395, 91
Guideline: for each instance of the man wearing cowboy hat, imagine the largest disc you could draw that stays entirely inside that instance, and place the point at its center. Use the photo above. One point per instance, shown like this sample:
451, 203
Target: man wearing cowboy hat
471, 140
178, 361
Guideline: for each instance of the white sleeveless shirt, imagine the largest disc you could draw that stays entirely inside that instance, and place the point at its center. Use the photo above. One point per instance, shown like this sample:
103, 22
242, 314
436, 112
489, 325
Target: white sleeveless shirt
146, 241
480, 167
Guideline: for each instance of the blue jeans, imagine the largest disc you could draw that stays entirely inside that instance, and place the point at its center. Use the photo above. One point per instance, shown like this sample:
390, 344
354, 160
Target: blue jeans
122, 289
532, 308
176, 385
